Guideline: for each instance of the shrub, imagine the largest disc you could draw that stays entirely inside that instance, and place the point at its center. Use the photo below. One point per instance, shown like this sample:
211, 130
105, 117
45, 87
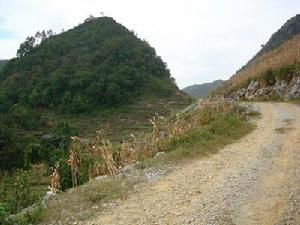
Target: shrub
269, 78
15, 193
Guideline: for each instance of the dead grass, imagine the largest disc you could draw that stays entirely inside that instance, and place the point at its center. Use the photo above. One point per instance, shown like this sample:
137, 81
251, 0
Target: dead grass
85, 201
203, 142
286, 54
203, 131
295, 101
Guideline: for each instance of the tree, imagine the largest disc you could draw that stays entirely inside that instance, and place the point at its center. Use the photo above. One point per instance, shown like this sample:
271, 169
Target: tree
90, 18
26, 47
50, 33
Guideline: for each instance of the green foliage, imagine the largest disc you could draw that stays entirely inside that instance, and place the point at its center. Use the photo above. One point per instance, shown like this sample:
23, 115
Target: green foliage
284, 73
2, 64
26, 47
98, 64
11, 149
269, 78
4, 212
15, 194
32, 217
221, 129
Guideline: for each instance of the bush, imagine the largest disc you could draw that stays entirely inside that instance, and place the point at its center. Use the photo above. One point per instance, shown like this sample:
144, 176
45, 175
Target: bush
15, 193
269, 78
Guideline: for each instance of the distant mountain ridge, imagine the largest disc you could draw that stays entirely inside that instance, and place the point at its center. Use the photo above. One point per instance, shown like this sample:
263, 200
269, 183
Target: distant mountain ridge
202, 90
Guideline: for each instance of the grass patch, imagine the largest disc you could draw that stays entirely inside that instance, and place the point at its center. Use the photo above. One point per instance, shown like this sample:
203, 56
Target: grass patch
32, 217
86, 200
223, 130
111, 188
296, 100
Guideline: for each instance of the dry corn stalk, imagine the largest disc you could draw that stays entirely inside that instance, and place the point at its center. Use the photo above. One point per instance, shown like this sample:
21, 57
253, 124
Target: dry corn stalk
96, 168
38, 169
74, 160
54, 179
177, 128
105, 153
127, 154
154, 131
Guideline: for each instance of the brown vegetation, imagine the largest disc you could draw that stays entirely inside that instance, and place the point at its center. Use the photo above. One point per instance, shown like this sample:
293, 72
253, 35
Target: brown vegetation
286, 54
101, 157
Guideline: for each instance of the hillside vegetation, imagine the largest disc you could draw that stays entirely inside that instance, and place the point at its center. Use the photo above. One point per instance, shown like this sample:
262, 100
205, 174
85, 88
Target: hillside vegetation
98, 64
202, 90
75, 82
2, 63
97, 76
283, 49
290, 29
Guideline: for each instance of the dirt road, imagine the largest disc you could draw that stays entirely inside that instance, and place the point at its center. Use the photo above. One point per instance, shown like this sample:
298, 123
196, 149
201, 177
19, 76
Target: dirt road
254, 181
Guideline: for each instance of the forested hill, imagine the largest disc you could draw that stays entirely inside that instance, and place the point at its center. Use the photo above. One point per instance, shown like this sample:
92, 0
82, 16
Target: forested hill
2, 63
202, 90
95, 75
98, 64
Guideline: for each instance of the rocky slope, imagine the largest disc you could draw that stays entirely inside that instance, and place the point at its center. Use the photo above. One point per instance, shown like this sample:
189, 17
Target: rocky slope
281, 51
285, 33
282, 89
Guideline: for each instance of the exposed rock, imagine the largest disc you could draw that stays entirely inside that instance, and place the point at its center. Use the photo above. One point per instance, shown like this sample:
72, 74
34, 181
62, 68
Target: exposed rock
159, 154
84, 141
280, 87
101, 177
190, 108
251, 89
295, 89
47, 136
263, 92
128, 169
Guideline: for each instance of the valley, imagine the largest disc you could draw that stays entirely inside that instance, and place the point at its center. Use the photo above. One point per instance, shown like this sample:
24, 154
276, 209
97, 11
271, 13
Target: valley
95, 130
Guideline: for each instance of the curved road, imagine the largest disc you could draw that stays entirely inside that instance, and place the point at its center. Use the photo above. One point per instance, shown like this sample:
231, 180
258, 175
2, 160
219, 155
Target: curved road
253, 181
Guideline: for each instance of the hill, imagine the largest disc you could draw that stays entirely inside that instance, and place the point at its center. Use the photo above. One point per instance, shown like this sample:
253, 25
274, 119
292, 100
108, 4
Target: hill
289, 30
96, 75
2, 63
202, 90
98, 64
280, 55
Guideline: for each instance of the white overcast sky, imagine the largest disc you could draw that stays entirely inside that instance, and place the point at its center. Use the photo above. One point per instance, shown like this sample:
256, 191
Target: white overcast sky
201, 40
